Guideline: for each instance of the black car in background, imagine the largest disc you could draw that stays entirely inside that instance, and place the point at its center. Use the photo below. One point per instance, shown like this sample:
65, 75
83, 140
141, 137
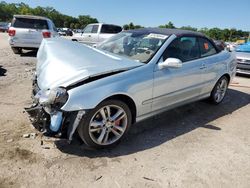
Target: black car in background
4, 26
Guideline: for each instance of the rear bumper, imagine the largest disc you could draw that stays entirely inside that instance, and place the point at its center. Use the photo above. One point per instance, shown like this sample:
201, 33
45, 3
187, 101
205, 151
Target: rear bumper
16, 44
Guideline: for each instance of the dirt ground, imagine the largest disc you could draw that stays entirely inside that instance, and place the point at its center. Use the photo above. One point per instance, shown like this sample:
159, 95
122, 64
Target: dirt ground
197, 145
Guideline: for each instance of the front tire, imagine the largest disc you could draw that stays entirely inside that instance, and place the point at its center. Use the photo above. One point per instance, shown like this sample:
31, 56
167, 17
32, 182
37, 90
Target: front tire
105, 125
219, 91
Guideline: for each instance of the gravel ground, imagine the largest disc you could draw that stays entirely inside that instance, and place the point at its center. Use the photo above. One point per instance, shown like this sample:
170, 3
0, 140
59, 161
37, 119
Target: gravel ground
197, 145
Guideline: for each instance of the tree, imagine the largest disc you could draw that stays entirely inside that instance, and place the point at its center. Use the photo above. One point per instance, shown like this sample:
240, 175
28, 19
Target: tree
204, 30
85, 20
126, 27
131, 25
77, 26
138, 26
169, 25
189, 28
8, 10
72, 26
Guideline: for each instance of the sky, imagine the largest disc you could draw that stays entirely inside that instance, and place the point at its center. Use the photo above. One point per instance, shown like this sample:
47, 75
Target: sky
152, 13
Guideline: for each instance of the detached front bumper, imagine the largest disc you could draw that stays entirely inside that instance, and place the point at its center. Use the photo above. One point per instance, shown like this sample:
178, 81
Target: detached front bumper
38, 117
50, 119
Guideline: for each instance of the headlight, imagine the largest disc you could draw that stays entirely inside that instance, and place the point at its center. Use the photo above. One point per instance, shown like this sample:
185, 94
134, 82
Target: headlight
52, 96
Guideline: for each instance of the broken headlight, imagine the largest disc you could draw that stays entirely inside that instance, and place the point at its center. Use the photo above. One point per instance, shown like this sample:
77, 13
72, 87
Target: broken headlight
57, 96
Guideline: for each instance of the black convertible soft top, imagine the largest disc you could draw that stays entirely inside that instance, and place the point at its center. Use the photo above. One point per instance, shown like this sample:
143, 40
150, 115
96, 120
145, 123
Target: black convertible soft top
163, 31
168, 32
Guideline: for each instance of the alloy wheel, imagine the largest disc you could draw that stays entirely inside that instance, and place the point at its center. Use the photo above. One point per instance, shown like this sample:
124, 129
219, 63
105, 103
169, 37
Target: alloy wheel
221, 89
108, 125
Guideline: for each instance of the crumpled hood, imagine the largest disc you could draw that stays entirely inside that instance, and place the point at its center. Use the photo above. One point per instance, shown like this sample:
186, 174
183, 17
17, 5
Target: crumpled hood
61, 62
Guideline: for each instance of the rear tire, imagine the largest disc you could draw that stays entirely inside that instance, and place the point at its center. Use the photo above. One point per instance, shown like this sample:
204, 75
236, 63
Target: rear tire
219, 91
105, 125
17, 50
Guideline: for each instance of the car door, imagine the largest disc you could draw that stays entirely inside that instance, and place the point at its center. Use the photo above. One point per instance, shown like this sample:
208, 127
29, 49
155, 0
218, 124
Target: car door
176, 85
212, 64
90, 35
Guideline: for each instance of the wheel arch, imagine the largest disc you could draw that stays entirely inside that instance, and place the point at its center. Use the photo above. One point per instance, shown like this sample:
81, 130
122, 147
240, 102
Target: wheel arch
127, 100
227, 76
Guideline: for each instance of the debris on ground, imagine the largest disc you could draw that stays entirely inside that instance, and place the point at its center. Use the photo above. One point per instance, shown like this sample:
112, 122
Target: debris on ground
10, 140
98, 178
46, 147
150, 179
30, 135
26, 135
33, 135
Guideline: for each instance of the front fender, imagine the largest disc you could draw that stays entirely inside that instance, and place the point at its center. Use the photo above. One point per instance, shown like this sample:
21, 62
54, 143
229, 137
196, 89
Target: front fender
136, 84
79, 100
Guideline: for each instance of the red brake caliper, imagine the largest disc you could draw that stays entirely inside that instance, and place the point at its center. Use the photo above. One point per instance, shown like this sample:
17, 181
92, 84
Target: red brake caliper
117, 123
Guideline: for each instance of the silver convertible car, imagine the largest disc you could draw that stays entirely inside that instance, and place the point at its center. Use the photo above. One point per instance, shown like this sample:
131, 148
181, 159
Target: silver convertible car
100, 92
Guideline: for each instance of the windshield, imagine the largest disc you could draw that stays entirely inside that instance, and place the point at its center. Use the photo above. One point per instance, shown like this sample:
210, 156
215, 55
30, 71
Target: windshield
139, 47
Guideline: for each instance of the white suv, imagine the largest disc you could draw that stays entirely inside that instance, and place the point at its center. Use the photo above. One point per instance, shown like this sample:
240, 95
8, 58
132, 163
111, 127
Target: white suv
27, 32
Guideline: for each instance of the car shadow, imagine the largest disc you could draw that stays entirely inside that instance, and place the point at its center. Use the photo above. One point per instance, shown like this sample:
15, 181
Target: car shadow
31, 53
164, 127
2, 71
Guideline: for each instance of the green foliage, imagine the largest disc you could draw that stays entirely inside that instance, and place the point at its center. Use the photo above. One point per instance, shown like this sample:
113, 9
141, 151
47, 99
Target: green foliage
225, 34
215, 33
8, 10
189, 28
169, 25
131, 26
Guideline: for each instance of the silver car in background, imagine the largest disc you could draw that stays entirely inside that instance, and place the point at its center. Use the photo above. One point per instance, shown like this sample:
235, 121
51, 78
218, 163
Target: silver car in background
101, 92
27, 32
243, 59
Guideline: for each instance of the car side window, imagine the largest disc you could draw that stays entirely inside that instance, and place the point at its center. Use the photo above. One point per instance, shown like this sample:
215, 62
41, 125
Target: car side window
206, 47
111, 29
91, 29
183, 48
95, 29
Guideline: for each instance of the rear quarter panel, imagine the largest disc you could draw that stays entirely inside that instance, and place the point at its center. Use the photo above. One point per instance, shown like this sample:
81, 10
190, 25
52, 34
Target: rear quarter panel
217, 66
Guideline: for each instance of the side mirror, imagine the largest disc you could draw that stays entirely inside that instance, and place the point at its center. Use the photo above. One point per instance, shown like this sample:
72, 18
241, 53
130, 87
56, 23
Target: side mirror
170, 63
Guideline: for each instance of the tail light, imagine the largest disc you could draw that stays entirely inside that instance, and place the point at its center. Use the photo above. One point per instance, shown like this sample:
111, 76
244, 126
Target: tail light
12, 32
46, 34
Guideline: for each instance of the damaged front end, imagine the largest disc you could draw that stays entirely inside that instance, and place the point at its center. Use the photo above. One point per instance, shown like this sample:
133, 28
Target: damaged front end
46, 114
